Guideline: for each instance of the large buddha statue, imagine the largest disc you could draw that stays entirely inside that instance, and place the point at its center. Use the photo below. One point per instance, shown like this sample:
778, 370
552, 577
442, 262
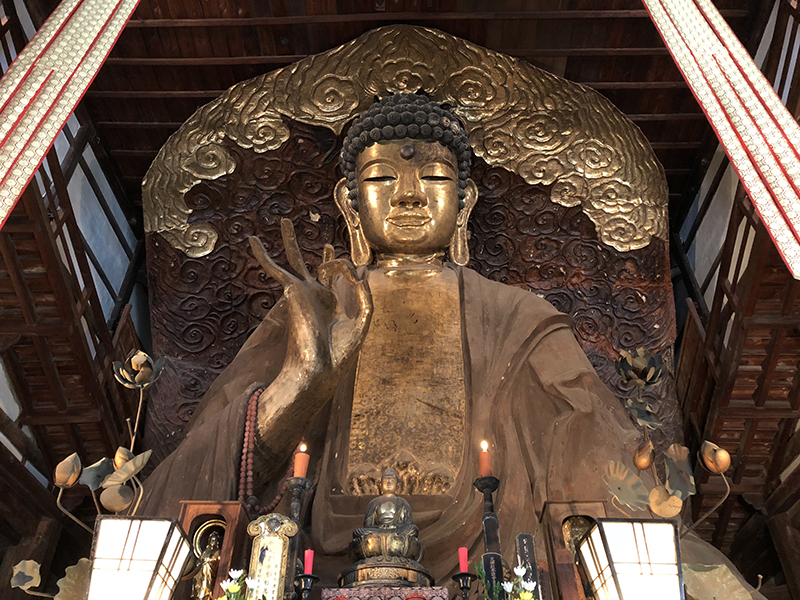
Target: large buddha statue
407, 360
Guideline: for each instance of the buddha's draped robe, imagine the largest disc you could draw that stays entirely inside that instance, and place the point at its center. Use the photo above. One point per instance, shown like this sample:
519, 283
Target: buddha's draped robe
531, 391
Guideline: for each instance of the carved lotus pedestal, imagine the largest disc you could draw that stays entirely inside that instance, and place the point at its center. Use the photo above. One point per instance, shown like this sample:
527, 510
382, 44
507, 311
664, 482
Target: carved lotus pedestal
386, 593
383, 572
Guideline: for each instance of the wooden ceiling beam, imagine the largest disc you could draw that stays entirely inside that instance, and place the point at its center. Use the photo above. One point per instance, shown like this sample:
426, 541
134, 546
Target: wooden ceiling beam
203, 61
154, 94
675, 145
157, 94
635, 85
549, 15
179, 61
668, 117
137, 125
176, 124
133, 153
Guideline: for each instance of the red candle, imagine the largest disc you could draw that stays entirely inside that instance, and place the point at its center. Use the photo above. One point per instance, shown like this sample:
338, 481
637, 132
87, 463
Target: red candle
301, 462
463, 560
308, 563
485, 463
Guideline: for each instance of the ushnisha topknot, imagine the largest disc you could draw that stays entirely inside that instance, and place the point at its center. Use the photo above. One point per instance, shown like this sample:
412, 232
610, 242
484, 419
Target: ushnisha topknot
405, 116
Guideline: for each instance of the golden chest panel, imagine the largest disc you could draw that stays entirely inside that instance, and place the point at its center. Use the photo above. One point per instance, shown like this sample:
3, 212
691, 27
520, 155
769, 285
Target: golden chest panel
409, 402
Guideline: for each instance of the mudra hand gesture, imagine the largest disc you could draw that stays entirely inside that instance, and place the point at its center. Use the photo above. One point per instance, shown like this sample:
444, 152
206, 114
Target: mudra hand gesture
323, 340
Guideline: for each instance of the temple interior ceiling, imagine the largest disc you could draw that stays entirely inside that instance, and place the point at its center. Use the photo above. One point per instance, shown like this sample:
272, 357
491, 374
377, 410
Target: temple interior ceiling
175, 56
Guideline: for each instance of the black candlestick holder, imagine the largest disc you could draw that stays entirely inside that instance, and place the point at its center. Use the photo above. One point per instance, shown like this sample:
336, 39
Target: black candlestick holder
297, 486
487, 486
464, 581
305, 582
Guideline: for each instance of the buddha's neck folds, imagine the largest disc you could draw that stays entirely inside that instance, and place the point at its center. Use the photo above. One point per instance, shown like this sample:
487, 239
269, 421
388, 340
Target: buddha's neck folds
408, 260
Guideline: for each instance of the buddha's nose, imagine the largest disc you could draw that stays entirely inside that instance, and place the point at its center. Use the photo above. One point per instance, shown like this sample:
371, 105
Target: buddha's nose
409, 193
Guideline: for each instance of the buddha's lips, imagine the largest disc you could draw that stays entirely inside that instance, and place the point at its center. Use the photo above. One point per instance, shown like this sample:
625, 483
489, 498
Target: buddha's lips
409, 220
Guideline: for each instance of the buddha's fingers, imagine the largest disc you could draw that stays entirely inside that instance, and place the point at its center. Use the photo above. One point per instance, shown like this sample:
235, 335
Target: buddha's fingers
328, 253
305, 326
356, 328
293, 254
327, 271
270, 267
364, 300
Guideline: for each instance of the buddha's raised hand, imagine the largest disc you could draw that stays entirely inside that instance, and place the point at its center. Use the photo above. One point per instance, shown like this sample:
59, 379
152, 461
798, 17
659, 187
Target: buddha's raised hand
323, 340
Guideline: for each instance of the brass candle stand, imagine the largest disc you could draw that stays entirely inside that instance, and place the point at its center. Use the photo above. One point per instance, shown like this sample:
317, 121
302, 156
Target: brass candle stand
464, 581
487, 486
297, 487
304, 583
492, 558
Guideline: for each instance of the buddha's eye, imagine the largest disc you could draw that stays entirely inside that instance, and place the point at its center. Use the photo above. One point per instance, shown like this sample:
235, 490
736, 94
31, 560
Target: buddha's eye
436, 172
380, 178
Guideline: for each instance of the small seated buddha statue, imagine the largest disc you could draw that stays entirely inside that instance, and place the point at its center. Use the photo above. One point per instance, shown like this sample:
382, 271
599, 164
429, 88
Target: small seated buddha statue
386, 550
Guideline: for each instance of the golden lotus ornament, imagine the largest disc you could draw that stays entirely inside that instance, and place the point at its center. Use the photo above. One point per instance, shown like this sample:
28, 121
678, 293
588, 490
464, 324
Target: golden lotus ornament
117, 498
68, 471
626, 487
122, 456
644, 456
128, 470
138, 371
641, 367
663, 503
715, 459
75, 581
25, 575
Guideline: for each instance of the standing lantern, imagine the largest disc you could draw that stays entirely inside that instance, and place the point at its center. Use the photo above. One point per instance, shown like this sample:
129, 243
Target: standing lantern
136, 558
626, 559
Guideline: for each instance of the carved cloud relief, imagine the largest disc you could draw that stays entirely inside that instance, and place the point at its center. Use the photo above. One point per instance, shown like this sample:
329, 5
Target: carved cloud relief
549, 131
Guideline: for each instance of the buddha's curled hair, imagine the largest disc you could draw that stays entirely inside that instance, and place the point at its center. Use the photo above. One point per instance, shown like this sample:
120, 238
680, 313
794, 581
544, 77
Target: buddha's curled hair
405, 116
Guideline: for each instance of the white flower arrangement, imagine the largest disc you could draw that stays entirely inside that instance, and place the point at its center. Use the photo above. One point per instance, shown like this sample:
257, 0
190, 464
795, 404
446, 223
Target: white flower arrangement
518, 589
237, 584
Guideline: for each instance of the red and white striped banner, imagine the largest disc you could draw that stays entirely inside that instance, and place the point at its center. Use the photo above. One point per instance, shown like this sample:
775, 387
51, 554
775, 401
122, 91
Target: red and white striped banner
47, 80
757, 131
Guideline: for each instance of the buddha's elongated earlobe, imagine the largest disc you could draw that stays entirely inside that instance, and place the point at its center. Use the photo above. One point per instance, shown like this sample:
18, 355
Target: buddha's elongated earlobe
360, 252
459, 251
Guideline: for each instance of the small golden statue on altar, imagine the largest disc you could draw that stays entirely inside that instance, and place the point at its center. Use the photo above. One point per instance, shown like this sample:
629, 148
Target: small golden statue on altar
203, 584
386, 550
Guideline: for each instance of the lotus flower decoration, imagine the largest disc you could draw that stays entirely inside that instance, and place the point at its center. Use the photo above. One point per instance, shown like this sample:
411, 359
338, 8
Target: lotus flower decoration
25, 575
640, 368
643, 413
75, 581
644, 456
680, 479
715, 459
68, 471
138, 371
625, 486
663, 503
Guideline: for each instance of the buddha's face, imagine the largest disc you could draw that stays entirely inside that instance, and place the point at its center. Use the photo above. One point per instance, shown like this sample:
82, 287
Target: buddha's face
407, 196
389, 484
